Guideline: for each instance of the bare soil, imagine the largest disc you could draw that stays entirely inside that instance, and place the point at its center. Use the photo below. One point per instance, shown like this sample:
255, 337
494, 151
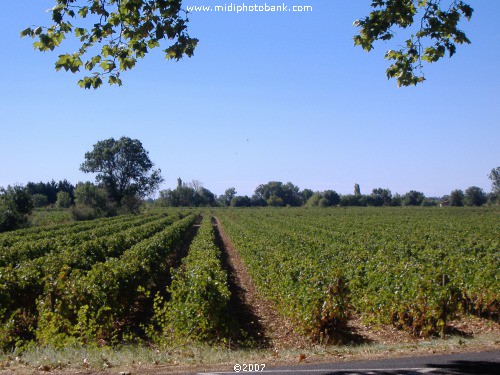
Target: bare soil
257, 315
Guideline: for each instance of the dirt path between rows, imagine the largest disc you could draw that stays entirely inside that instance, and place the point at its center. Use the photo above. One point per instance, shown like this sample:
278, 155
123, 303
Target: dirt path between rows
258, 315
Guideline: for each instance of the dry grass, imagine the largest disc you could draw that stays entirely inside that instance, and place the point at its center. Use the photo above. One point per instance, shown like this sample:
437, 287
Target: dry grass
137, 359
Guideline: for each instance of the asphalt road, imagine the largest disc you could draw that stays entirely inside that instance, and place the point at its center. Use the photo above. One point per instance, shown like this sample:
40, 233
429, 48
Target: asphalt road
484, 363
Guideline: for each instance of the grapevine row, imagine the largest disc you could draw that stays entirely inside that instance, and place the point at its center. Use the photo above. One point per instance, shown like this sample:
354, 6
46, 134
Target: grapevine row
199, 293
30, 248
108, 301
21, 286
35, 233
409, 268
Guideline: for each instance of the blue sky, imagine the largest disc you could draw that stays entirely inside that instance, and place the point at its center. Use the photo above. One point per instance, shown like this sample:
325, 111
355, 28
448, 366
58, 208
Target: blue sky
266, 97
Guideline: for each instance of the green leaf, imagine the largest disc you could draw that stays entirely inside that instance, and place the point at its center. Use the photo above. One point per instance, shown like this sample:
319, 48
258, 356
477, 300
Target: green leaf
27, 32
80, 31
63, 62
153, 43
83, 12
108, 65
114, 80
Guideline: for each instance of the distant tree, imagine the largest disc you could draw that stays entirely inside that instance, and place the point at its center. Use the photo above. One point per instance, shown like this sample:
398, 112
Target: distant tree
86, 193
397, 200
16, 204
257, 200
123, 167
165, 199
313, 201
357, 190
40, 200
187, 195
279, 194
429, 202
36, 188
50, 189
63, 199
306, 194
329, 198
228, 195
475, 196
66, 186
292, 195
240, 201
326, 198
196, 185
413, 198
130, 204
366, 200
205, 197
350, 200
381, 197
444, 200
275, 201
494, 176
457, 198
91, 202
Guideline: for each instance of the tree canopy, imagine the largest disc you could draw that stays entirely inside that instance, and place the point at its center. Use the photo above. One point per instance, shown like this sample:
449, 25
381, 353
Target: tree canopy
16, 204
475, 196
457, 198
187, 195
436, 34
123, 167
50, 189
114, 34
494, 176
276, 193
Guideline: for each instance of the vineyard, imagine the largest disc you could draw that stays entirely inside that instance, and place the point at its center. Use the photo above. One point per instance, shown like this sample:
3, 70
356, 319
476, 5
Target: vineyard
414, 268
156, 277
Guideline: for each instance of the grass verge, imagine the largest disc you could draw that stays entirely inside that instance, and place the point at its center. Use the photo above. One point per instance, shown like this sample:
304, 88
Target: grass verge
135, 359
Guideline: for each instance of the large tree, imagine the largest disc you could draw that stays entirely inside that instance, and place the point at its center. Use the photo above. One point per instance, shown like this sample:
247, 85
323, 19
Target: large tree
228, 195
276, 193
123, 167
475, 196
16, 204
381, 197
413, 198
114, 34
457, 198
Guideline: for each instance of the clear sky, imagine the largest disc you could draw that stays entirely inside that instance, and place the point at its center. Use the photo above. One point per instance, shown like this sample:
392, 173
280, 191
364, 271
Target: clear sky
267, 96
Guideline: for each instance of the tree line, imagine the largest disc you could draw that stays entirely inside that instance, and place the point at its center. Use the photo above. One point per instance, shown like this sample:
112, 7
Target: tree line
125, 178
88, 200
279, 194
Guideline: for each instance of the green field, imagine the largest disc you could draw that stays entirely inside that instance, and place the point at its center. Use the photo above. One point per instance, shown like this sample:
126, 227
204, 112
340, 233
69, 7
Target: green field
157, 277
412, 267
